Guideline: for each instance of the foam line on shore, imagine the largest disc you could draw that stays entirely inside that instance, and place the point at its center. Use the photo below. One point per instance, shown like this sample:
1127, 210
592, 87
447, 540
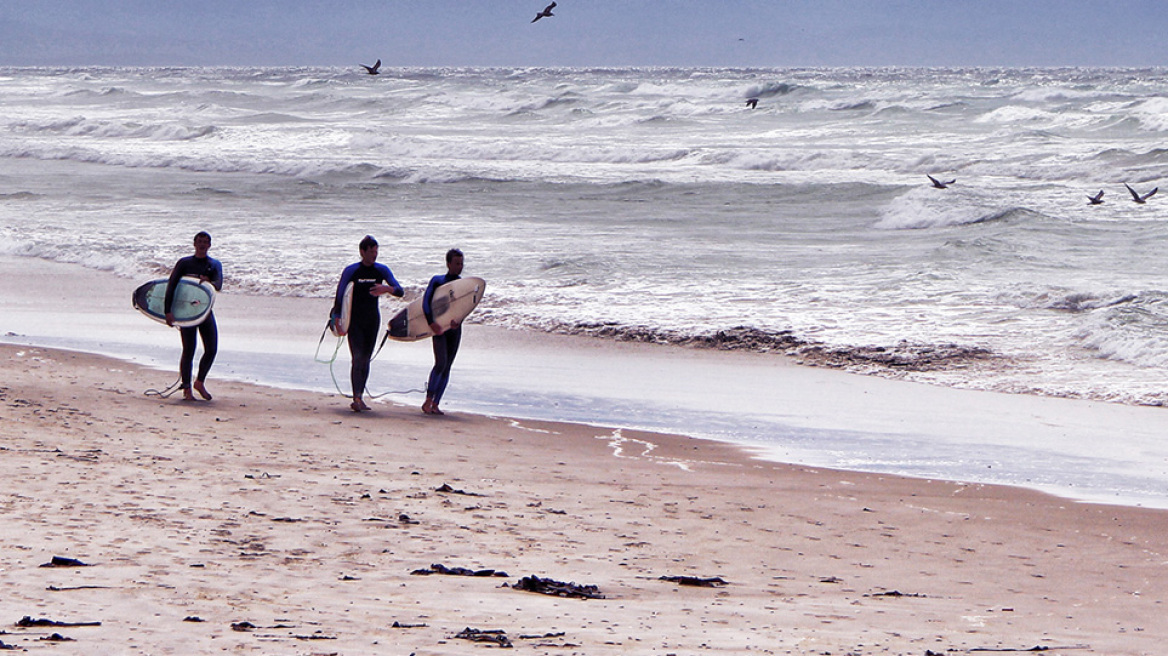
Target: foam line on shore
1083, 450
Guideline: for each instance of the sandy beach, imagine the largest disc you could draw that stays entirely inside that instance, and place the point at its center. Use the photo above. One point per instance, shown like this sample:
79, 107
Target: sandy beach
275, 521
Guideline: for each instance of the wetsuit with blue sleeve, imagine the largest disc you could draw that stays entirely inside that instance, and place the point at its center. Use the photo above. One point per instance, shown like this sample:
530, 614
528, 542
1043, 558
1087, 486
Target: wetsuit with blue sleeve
445, 345
212, 270
365, 317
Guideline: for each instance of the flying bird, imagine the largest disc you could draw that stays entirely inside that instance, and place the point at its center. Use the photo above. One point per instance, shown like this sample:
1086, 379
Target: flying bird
752, 102
1137, 197
1097, 199
372, 70
938, 184
547, 11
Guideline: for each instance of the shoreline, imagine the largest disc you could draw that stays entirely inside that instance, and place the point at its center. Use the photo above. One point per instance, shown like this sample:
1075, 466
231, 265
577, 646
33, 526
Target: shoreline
277, 520
781, 411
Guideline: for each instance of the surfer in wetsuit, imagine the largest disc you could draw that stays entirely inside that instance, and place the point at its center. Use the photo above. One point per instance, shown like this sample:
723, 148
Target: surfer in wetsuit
206, 269
445, 341
370, 280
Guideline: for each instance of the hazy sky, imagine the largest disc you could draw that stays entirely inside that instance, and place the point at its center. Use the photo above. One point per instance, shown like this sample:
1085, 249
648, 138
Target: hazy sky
585, 32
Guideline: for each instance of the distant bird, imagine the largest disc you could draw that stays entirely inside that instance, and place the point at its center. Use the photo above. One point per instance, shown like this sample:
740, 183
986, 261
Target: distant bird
752, 102
372, 70
940, 185
547, 12
1097, 199
1138, 198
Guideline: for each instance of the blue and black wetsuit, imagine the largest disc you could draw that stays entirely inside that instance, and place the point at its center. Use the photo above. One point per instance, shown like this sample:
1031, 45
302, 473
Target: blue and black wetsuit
364, 318
212, 270
445, 345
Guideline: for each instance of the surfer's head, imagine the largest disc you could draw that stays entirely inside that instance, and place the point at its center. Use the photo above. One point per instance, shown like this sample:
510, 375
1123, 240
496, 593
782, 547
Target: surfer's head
454, 261
202, 243
368, 250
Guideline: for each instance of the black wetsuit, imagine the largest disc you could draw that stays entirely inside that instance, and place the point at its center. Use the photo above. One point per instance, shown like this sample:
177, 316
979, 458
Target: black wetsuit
210, 268
365, 317
445, 345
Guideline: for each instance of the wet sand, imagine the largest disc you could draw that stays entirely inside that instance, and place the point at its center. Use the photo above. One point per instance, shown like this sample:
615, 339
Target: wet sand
278, 522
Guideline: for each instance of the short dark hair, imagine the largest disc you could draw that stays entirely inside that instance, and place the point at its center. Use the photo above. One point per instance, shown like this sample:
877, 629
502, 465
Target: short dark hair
368, 242
203, 233
452, 253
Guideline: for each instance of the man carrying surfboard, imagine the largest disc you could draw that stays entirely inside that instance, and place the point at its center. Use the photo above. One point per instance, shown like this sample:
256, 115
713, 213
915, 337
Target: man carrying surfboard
445, 341
370, 280
209, 270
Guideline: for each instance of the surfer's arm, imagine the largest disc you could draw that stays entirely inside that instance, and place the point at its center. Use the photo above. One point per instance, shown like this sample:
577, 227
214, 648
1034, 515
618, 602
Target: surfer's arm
428, 298
346, 276
217, 280
176, 274
391, 282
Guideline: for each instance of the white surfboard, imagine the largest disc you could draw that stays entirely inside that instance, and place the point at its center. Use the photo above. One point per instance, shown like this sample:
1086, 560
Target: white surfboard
192, 301
339, 326
452, 303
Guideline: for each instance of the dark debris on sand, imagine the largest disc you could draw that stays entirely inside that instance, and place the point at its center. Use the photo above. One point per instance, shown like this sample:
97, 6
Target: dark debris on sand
445, 488
439, 568
697, 581
27, 621
61, 561
557, 588
896, 593
495, 636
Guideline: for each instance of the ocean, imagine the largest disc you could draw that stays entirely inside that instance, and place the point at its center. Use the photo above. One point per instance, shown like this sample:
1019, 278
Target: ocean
647, 204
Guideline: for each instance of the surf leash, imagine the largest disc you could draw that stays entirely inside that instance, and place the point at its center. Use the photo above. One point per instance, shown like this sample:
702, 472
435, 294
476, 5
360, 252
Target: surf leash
340, 340
333, 359
165, 394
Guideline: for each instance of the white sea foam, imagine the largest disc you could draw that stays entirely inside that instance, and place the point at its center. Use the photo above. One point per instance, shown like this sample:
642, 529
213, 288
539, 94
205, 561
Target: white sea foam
652, 203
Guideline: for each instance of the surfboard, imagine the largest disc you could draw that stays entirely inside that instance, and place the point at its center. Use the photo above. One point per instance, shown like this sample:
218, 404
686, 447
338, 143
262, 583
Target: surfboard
339, 326
192, 301
452, 302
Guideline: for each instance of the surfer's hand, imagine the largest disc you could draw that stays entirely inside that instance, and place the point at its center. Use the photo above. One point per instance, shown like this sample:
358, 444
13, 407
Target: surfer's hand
436, 328
170, 319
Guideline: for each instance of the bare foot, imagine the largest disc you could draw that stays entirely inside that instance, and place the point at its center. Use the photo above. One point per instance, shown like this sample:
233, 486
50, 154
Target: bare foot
187, 396
358, 406
202, 390
428, 406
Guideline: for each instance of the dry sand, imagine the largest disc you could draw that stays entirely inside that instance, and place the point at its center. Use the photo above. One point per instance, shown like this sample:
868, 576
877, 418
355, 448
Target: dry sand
285, 524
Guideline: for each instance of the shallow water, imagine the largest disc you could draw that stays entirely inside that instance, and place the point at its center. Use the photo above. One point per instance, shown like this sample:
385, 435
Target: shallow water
646, 204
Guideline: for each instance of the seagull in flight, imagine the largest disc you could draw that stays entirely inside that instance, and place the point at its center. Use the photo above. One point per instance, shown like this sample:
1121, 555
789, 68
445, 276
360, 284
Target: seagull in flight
938, 184
752, 102
1097, 199
372, 70
547, 11
1137, 197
